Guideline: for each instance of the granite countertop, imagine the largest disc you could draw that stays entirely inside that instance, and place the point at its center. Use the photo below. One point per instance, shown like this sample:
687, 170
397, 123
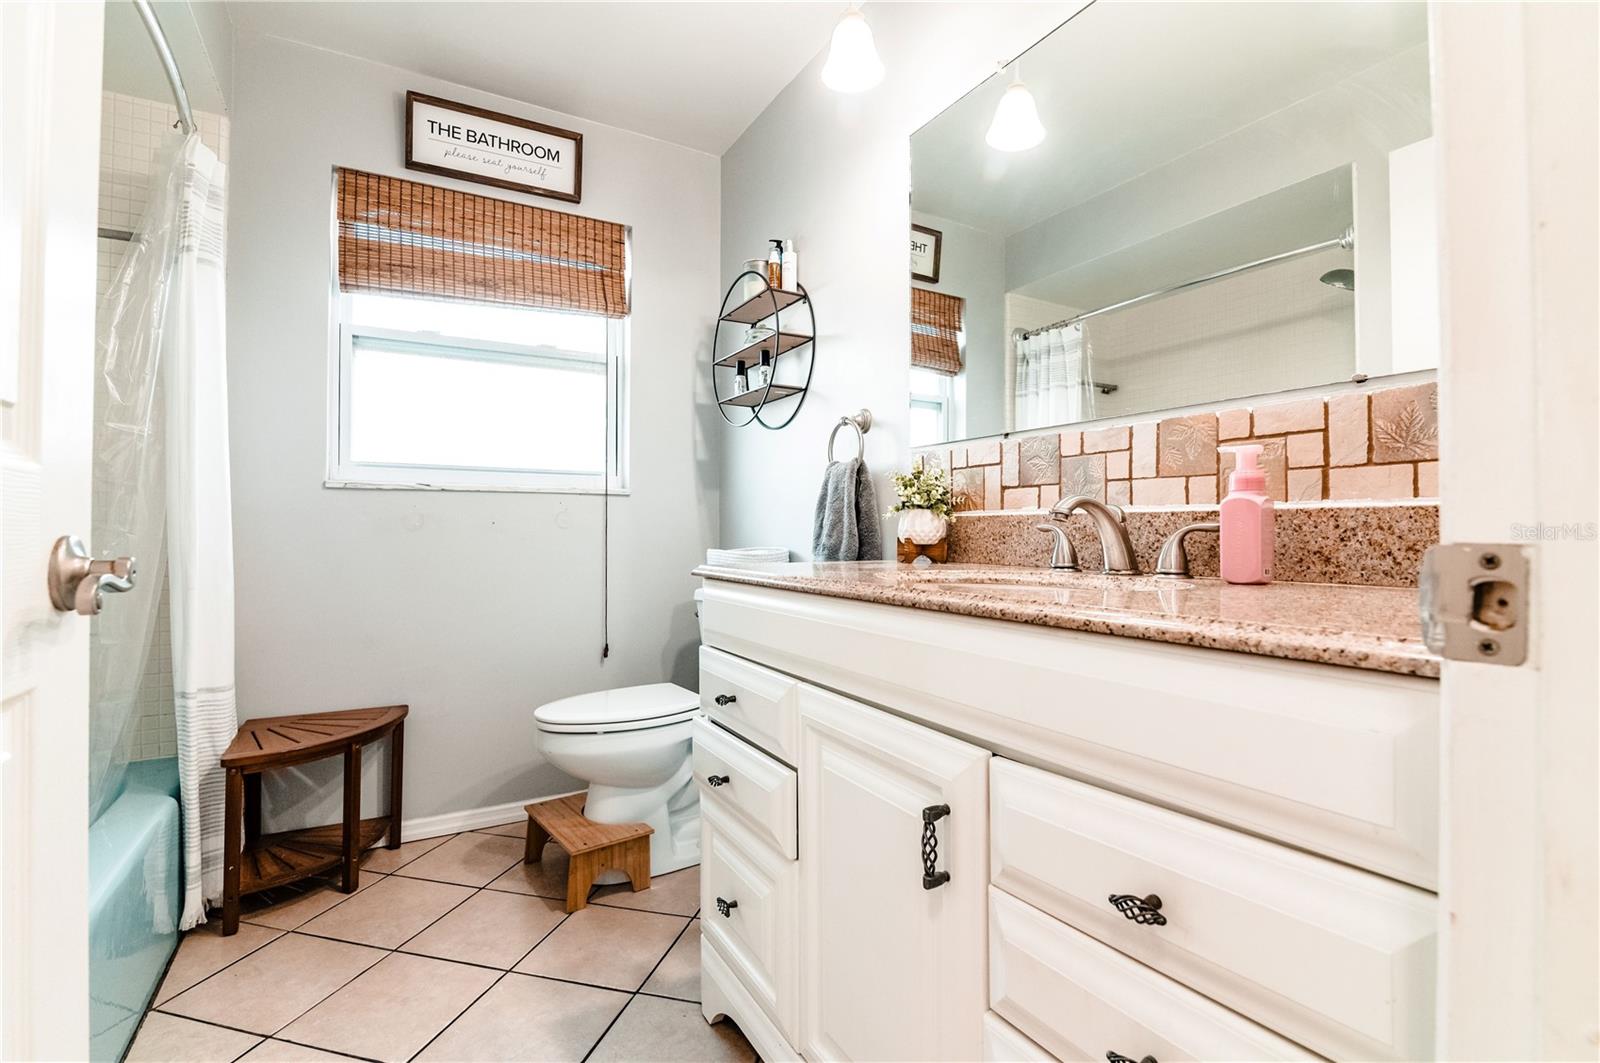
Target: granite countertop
1375, 628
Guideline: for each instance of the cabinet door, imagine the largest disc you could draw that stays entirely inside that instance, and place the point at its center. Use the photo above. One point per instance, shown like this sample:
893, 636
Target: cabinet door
890, 968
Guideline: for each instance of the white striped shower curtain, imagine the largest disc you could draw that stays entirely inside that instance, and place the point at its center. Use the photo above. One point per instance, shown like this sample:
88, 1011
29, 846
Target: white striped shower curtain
199, 520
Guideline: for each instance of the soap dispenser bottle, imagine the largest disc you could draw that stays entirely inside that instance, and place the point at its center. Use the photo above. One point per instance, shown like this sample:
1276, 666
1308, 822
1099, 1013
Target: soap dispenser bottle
791, 267
1247, 519
775, 264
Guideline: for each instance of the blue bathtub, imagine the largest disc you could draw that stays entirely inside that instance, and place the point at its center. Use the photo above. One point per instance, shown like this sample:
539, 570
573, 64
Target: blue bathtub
134, 899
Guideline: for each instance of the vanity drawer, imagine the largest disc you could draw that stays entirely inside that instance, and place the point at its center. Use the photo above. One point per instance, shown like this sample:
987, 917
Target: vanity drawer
759, 937
758, 790
1081, 1000
1004, 1043
1340, 960
749, 700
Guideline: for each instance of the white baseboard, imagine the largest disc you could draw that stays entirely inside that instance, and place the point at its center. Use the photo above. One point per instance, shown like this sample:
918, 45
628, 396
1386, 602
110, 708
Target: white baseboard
468, 819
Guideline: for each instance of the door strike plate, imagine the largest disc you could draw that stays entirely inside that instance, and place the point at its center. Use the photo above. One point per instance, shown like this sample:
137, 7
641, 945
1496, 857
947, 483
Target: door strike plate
1474, 602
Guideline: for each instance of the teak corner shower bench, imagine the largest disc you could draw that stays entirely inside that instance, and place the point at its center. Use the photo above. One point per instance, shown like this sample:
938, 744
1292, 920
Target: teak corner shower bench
252, 861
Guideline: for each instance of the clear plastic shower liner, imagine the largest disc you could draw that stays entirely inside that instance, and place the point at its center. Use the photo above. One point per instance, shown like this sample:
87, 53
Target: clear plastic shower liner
130, 475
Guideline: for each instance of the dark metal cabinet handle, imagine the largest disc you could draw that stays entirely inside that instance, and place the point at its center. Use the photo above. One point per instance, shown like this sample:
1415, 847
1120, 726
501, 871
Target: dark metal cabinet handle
1146, 911
932, 879
725, 908
718, 780
1116, 1057
725, 699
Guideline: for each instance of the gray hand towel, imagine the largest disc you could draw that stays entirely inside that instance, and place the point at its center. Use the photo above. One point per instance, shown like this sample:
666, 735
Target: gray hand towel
846, 526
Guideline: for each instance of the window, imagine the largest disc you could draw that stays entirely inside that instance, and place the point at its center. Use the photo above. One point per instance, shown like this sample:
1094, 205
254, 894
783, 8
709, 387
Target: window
480, 344
932, 408
446, 394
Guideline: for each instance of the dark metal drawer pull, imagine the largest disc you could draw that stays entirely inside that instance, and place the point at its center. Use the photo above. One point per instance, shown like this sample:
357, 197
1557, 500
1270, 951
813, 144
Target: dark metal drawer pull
1146, 911
718, 780
725, 908
1116, 1057
932, 879
725, 699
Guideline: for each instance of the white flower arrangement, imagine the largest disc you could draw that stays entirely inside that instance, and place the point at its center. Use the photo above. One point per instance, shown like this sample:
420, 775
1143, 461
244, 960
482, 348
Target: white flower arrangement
922, 489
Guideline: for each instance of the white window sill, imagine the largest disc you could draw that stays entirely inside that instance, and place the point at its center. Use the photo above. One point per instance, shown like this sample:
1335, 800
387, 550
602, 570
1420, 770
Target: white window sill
367, 485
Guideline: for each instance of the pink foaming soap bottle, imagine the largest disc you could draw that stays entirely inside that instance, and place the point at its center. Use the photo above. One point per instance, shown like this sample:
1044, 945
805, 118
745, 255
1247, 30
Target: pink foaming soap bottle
1246, 536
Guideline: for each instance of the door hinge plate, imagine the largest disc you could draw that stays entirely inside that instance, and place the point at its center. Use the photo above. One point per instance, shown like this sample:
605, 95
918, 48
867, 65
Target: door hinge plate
1474, 602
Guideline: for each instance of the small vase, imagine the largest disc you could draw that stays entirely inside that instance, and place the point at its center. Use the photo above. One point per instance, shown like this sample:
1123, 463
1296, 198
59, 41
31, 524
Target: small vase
921, 526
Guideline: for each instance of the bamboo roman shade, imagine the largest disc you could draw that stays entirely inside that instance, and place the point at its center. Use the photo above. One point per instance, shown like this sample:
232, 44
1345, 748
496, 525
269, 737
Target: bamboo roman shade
936, 331
405, 238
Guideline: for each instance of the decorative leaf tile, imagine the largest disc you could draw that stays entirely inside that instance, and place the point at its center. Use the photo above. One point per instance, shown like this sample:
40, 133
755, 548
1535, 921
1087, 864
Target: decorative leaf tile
1084, 474
1039, 461
967, 488
1405, 424
1187, 446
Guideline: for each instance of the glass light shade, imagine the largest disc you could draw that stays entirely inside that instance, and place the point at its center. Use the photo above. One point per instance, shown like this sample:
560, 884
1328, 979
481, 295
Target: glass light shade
1016, 125
853, 64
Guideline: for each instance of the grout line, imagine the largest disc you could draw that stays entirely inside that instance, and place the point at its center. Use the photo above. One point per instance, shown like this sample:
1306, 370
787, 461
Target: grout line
158, 1007
463, 1011
315, 1048
635, 995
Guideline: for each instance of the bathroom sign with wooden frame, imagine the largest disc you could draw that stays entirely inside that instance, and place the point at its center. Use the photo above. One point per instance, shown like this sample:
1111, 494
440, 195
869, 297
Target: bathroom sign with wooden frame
457, 140
926, 246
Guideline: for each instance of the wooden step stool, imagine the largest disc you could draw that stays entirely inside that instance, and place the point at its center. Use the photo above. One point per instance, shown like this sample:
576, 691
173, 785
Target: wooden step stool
592, 847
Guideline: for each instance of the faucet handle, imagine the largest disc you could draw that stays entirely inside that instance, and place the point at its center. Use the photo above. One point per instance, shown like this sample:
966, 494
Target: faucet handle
1062, 556
1173, 561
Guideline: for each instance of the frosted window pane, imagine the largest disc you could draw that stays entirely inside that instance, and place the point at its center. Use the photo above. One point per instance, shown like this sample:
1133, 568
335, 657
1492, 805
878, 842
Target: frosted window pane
479, 321
408, 408
927, 426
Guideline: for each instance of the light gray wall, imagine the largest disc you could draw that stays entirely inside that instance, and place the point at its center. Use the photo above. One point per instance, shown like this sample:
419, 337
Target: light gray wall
833, 172
471, 607
972, 266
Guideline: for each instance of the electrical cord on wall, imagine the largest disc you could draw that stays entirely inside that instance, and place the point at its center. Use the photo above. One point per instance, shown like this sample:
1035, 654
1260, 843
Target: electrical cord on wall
605, 523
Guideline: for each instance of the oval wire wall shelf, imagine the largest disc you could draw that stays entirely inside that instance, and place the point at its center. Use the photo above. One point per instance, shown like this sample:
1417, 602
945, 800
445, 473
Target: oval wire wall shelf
769, 303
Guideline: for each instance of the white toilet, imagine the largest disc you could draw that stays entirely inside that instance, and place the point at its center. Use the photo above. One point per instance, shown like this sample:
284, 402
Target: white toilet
632, 747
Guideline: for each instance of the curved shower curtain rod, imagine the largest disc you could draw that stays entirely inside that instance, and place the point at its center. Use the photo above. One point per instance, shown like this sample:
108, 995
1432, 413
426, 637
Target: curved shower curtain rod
169, 64
1346, 240
180, 95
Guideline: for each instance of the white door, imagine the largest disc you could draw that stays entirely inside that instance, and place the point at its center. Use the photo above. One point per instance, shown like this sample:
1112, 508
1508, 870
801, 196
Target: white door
890, 968
49, 163
1514, 96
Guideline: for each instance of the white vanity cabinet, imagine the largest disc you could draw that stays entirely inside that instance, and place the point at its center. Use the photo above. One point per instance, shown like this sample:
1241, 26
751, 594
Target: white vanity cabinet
969, 839
893, 877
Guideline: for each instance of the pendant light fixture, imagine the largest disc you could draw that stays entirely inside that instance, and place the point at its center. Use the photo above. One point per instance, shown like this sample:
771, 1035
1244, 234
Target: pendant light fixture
1016, 125
853, 64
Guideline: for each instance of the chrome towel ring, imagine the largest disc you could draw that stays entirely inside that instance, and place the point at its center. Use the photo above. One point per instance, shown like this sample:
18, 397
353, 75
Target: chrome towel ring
861, 421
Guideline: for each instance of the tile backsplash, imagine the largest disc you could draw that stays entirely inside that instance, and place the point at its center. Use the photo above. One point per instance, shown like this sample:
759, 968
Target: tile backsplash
1380, 445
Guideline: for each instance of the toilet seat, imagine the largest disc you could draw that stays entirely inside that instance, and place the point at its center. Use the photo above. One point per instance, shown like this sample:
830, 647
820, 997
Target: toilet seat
624, 709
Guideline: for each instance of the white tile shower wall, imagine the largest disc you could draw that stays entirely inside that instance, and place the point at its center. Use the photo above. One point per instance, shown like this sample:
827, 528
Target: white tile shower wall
132, 131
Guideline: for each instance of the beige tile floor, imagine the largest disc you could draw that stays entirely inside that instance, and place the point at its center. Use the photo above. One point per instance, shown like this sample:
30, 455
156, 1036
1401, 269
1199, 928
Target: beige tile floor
451, 950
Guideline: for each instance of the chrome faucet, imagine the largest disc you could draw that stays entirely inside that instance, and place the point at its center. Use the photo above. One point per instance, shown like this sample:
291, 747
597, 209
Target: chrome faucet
1115, 549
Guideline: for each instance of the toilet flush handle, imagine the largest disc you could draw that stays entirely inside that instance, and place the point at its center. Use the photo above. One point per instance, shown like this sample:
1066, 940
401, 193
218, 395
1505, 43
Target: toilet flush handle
725, 699
718, 780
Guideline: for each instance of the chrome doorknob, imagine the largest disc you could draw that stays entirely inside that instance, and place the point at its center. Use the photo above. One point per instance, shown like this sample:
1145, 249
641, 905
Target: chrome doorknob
78, 583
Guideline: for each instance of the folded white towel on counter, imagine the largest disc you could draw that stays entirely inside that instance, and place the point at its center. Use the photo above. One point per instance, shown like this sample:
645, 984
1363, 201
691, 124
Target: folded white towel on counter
747, 556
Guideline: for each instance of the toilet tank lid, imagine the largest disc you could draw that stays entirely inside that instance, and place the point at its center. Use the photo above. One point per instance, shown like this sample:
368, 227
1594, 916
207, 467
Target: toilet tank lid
624, 705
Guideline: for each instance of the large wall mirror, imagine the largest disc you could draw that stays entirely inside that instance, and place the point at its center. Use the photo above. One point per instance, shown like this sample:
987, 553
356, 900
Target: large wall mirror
1229, 200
